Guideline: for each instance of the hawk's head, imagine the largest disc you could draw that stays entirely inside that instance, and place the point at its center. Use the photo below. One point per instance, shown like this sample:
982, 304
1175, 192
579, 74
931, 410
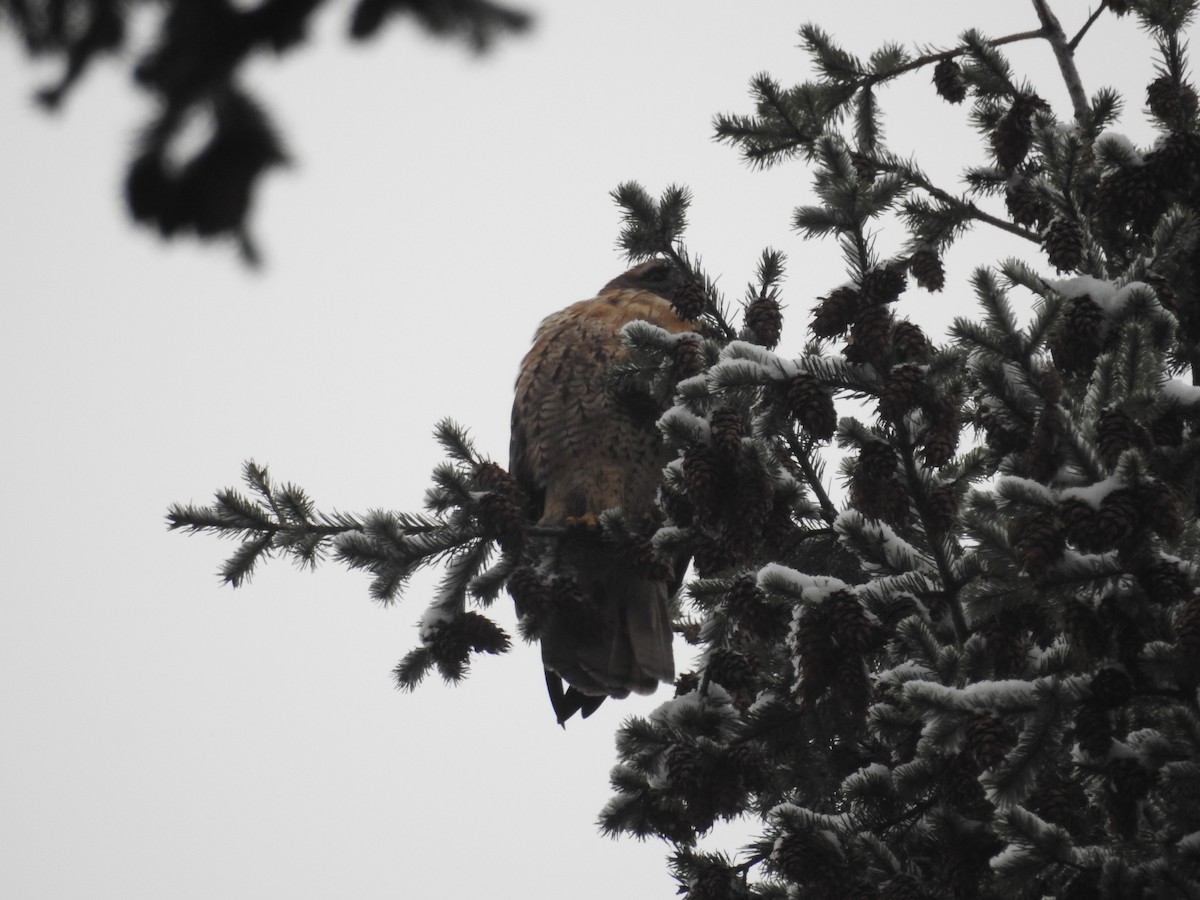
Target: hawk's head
659, 276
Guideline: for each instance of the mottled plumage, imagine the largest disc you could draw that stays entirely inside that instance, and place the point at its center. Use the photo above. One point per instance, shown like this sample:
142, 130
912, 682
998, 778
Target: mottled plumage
577, 450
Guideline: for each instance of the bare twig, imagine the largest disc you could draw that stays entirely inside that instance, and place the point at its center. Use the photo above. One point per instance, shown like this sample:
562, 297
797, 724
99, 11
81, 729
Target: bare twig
1065, 54
1074, 42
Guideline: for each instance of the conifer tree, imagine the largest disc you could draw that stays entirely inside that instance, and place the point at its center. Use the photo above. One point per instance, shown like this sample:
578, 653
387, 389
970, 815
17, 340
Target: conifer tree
974, 671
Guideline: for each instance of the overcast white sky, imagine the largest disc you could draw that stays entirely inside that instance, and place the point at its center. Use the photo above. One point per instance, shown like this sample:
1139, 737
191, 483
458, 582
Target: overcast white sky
167, 737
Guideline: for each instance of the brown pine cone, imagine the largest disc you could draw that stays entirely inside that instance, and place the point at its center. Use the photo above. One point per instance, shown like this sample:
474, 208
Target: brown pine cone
904, 390
1026, 207
688, 300
1187, 628
700, 477
870, 336
987, 741
1093, 729
1077, 343
532, 595
851, 627
1116, 432
927, 268
1086, 630
1111, 688
941, 440
884, 284
1061, 802
732, 670
728, 428
812, 405
685, 767
941, 509
834, 313
688, 360
909, 343
501, 517
1163, 512
864, 167
1006, 646
1080, 524
1013, 136
764, 320
1167, 430
876, 462
1130, 778
1063, 243
1164, 582
852, 684
1171, 103
948, 80
1120, 517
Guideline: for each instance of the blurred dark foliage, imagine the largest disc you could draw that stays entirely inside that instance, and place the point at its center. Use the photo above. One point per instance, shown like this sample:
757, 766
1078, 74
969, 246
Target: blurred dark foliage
191, 67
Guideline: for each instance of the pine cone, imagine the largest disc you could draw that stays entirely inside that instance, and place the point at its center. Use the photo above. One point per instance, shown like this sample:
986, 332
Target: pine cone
732, 670
817, 657
640, 550
904, 390
1117, 432
685, 767
688, 300
927, 268
884, 284
1187, 628
870, 336
941, 434
686, 684
876, 461
1167, 430
1085, 628
987, 741
1026, 207
1173, 161
864, 167
1080, 524
728, 428
941, 510
852, 684
812, 405
1164, 582
1111, 688
700, 477
1163, 512
688, 360
962, 787
712, 556
851, 627
1077, 343
1086, 885
1093, 729
764, 320
1119, 517
1006, 646
1130, 778
532, 596
1041, 543
501, 517
834, 313
1063, 243
1013, 136
1061, 802
903, 886
1171, 103
948, 80
909, 343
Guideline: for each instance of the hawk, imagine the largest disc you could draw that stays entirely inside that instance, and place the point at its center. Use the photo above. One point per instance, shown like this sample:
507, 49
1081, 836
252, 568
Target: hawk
578, 449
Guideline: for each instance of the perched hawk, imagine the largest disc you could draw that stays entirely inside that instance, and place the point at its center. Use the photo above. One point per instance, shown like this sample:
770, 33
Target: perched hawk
576, 450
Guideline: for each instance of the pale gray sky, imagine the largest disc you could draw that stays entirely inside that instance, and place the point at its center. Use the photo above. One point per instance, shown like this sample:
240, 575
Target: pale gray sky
167, 737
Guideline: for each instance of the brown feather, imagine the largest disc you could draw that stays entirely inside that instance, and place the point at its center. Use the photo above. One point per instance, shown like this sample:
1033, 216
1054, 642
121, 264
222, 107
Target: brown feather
576, 451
